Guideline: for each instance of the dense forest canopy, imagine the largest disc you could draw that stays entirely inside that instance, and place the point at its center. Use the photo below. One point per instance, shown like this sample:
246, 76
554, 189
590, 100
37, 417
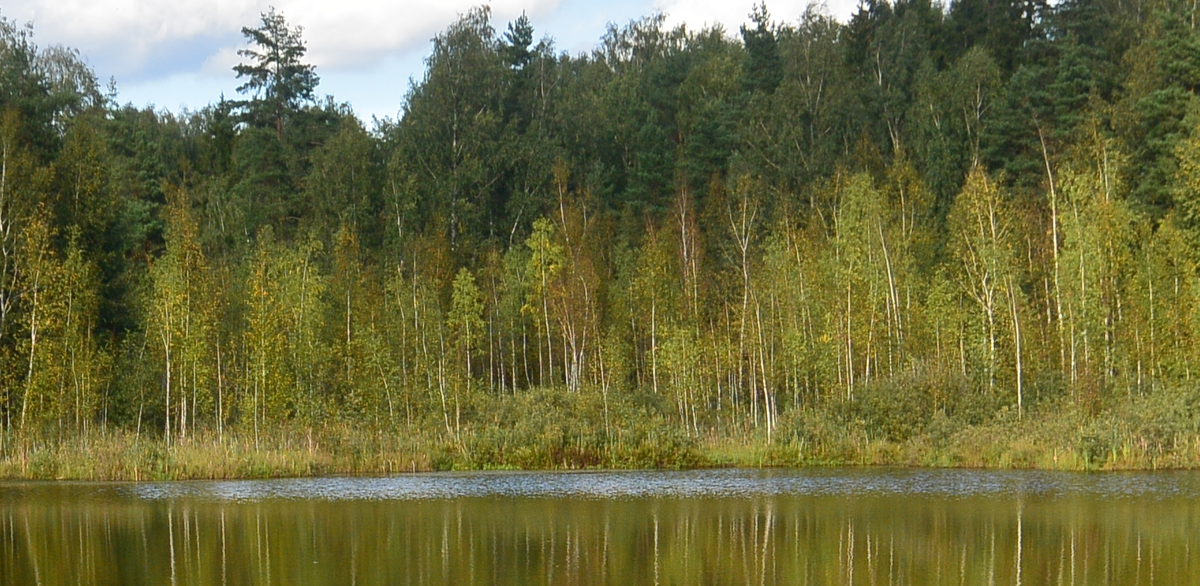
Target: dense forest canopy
930, 215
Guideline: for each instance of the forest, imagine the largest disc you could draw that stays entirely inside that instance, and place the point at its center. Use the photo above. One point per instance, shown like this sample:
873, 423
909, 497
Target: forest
941, 235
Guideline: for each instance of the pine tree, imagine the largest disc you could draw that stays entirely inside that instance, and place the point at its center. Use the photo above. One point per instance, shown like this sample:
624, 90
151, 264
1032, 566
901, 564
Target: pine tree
276, 77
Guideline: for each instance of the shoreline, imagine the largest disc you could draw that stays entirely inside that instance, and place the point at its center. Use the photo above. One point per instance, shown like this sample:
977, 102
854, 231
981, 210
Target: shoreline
125, 457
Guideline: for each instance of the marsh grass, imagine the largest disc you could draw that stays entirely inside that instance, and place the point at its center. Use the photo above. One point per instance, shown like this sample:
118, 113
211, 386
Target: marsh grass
285, 453
550, 429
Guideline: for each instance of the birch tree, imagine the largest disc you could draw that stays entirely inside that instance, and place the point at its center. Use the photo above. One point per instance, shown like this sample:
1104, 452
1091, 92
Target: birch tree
183, 323
987, 272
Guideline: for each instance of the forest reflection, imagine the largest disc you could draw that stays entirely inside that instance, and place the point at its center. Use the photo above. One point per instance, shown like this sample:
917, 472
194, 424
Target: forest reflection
77, 534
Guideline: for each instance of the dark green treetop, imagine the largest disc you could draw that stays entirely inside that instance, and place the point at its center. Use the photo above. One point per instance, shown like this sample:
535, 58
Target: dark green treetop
276, 77
763, 71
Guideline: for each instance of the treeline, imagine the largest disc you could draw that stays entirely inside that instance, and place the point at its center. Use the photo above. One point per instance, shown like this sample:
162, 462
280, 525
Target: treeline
926, 218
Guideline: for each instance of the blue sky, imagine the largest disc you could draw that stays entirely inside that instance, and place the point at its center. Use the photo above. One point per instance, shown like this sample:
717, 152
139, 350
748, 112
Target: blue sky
178, 53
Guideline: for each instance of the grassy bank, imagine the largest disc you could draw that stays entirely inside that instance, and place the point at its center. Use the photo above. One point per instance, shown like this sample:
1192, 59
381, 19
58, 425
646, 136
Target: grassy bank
297, 453
551, 430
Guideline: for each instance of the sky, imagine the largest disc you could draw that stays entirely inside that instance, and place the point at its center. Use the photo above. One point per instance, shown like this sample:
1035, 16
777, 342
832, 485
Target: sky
179, 54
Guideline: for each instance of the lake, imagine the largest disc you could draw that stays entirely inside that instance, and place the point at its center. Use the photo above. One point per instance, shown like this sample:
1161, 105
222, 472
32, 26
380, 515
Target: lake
813, 526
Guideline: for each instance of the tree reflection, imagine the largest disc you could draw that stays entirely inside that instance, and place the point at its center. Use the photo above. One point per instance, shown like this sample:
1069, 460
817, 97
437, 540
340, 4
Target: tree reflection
58, 537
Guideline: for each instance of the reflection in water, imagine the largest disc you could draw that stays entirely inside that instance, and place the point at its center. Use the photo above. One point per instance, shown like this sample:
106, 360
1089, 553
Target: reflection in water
716, 527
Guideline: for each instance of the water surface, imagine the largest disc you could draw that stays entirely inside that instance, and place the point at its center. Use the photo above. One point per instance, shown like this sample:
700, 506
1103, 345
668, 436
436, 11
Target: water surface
822, 526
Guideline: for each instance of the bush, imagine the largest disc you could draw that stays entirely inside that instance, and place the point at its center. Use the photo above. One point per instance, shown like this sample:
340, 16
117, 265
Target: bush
901, 407
822, 435
554, 428
1158, 419
1098, 440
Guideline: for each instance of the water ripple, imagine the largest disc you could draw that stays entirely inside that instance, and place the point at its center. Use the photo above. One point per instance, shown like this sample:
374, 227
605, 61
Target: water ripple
617, 485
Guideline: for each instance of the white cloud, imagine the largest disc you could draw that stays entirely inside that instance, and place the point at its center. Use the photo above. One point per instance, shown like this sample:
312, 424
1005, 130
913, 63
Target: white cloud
221, 63
125, 37
732, 14
174, 52
355, 33
132, 21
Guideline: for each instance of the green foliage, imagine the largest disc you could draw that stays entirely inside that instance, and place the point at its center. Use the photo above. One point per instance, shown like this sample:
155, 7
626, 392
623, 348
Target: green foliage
957, 235
65, 367
465, 317
343, 185
985, 264
182, 326
46, 88
284, 313
451, 138
762, 72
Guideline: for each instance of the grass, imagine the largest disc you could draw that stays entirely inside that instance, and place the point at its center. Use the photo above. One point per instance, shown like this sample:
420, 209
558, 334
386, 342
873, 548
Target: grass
286, 453
549, 430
